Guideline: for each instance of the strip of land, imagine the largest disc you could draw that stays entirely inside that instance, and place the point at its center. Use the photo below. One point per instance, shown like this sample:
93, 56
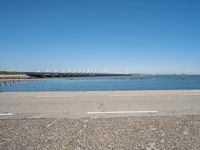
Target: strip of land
146, 120
14, 76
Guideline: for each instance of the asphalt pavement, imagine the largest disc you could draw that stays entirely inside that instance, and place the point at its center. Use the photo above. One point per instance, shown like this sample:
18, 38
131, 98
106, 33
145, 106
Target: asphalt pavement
121, 120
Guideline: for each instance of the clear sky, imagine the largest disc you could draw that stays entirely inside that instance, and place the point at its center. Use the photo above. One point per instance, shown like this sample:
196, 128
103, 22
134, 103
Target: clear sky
138, 36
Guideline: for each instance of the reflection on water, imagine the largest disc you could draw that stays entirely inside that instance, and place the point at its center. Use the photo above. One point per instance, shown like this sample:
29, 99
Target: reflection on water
108, 84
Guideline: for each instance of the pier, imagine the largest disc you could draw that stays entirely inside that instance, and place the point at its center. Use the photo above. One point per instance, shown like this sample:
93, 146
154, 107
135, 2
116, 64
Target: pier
71, 74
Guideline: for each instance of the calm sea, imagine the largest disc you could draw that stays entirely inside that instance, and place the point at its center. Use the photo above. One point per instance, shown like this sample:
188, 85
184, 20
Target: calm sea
163, 82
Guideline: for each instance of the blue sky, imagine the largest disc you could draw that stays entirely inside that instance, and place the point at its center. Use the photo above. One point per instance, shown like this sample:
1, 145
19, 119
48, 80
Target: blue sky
138, 36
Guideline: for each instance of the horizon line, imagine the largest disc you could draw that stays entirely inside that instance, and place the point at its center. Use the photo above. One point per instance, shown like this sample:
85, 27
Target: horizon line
110, 72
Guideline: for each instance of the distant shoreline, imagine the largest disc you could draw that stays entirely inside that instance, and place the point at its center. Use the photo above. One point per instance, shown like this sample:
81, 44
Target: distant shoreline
4, 75
15, 76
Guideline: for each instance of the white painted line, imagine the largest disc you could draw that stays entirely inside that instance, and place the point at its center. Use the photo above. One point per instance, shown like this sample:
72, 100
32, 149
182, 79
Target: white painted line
189, 94
54, 96
127, 95
6, 114
122, 112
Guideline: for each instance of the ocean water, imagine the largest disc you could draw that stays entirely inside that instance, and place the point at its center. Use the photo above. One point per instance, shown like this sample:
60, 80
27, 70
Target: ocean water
157, 82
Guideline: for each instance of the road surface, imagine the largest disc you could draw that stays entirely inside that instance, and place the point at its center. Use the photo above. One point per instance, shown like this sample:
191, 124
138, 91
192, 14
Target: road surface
99, 104
130, 120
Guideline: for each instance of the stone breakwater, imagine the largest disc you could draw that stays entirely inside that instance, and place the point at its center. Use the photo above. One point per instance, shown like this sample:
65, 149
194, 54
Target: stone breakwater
8, 82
